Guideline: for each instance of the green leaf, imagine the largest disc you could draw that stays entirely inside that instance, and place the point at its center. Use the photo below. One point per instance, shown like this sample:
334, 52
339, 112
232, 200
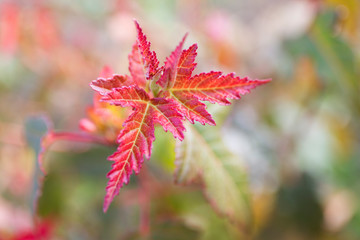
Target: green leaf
172, 229
332, 54
203, 156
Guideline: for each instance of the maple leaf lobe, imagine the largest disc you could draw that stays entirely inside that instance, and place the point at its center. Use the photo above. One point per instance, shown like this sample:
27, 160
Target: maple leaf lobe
186, 63
217, 88
136, 67
167, 79
168, 116
127, 96
135, 141
105, 85
148, 58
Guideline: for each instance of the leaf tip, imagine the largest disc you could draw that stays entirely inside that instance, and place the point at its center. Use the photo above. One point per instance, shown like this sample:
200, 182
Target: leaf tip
184, 38
137, 25
136, 22
266, 80
212, 122
180, 136
106, 206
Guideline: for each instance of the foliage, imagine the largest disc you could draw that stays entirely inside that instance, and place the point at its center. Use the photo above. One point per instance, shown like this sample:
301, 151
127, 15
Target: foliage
288, 153
170, 95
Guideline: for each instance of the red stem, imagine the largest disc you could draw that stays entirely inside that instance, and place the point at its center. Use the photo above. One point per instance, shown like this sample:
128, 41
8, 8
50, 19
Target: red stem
78, 137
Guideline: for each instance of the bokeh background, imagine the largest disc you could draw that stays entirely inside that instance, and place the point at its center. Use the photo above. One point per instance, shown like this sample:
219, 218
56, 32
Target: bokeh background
298, 136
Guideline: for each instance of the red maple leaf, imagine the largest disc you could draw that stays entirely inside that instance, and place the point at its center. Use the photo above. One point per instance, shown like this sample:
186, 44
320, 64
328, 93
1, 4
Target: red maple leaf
164, 96
102, 118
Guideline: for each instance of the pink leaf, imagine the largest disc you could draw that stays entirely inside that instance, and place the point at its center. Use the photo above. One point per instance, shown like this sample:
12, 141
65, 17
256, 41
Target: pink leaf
105, 85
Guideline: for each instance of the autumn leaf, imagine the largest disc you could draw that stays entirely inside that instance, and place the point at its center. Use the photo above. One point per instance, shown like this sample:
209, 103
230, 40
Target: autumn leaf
142, 57
102, 118
105, 85
166, 96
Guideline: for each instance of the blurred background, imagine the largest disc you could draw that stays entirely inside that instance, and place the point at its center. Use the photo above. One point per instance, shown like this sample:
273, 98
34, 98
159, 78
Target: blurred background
298, 136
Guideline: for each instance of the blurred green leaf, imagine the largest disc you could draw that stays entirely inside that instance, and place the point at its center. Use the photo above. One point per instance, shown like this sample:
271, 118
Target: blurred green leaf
334, 58
352, 230
203, 155
174, 230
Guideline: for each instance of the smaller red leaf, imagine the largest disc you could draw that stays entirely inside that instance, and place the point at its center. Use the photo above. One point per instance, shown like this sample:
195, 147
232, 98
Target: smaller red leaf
105, 85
